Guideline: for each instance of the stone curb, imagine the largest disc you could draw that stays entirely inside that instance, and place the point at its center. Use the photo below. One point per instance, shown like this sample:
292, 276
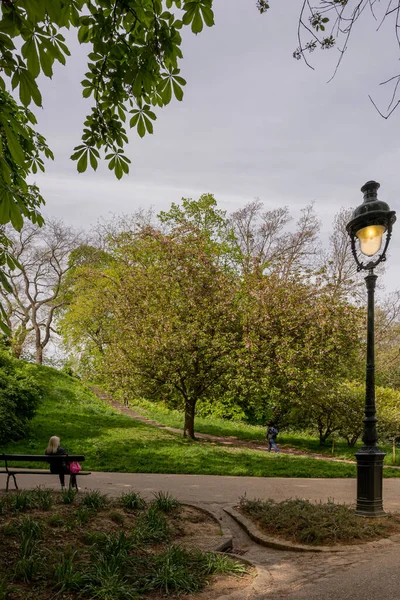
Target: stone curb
255, 534
226, 534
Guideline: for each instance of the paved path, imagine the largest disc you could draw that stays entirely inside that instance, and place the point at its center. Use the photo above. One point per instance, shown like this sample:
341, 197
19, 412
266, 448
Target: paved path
222, 490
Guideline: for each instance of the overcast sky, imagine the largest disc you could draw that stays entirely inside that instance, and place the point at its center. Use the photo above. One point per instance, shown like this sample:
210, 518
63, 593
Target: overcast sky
254, 122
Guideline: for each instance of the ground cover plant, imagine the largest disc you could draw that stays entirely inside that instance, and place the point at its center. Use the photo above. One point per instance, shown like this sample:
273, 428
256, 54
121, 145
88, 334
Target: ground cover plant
48, 551
301, 521
117, 443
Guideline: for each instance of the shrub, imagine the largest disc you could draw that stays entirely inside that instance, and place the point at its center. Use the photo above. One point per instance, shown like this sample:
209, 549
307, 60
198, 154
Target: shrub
94, 500
151, 527
42, 499
68, 496
20, 393
133, 501
66, 576
165, 502
308, 523
5, 589
172, 573
20, 501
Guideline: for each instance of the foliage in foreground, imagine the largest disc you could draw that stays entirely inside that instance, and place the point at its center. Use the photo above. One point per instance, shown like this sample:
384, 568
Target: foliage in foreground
316, 524
99, 557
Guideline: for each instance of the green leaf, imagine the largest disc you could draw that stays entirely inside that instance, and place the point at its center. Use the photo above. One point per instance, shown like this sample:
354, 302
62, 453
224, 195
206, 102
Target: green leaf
54, 10
5, 328
141, 129
93, 161
4, 208
118, 170
166, 92
28, 89
82, 162
16, 217
148, 123
84, 34
197, 23
208, 16
29, 51
134, 119
14, 146
177, 91
4, 280
46, 61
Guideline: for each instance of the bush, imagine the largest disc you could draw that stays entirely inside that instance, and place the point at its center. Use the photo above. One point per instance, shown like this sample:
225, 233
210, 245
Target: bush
20, 393
315, 524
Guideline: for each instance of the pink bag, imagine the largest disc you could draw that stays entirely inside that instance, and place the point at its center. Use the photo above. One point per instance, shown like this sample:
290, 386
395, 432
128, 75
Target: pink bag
74, 468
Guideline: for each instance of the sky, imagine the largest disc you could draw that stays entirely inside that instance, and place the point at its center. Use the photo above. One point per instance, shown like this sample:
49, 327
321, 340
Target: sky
254, 123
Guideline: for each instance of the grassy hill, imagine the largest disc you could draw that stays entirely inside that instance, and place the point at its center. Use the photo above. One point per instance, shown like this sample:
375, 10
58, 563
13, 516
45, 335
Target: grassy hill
115, 442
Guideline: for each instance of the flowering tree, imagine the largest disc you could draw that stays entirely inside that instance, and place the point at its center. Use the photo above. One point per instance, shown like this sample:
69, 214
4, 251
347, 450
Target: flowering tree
173, 315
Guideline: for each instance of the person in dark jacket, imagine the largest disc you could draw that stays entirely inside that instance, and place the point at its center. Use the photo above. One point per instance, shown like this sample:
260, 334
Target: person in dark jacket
60, 468
272, 433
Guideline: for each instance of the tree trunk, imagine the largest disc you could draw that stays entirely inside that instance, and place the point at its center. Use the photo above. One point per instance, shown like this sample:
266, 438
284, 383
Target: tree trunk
188, 429
39, 355
323, 435
351, 442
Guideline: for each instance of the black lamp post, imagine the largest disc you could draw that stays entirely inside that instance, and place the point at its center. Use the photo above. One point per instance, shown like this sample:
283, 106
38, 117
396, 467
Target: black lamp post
370, 221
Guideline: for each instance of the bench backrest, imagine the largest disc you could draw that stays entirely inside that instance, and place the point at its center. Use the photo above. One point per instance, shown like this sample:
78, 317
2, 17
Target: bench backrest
42, 457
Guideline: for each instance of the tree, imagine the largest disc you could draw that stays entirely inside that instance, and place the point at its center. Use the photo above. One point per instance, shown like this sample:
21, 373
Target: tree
265, 243
133, 68
302, 344
338, 268
37, 288
85, 320
174, 329
388, 413
177, 312
330, 24
387, 331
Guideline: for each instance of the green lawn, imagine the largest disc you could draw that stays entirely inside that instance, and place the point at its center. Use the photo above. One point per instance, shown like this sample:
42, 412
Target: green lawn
114, 442
256, 433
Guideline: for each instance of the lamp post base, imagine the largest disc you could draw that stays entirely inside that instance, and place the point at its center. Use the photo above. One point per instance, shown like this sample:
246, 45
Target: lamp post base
369, 482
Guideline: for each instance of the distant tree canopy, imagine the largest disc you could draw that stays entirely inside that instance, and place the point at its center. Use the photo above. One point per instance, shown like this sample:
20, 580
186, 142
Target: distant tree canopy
36, 289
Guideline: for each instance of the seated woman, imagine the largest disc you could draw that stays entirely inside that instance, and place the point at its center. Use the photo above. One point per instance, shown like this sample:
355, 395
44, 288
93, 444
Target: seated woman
59, 467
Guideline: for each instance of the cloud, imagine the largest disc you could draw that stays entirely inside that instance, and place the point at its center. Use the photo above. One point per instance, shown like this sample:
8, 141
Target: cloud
253, 123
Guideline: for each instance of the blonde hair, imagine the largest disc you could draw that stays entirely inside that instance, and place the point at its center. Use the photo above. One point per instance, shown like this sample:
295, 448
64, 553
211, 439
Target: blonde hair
54, 443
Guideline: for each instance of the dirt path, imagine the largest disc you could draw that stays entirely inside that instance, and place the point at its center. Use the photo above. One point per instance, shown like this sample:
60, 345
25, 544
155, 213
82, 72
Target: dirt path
224, 441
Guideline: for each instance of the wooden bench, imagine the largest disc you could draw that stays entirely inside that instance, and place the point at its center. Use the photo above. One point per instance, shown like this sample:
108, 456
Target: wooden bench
55, 458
